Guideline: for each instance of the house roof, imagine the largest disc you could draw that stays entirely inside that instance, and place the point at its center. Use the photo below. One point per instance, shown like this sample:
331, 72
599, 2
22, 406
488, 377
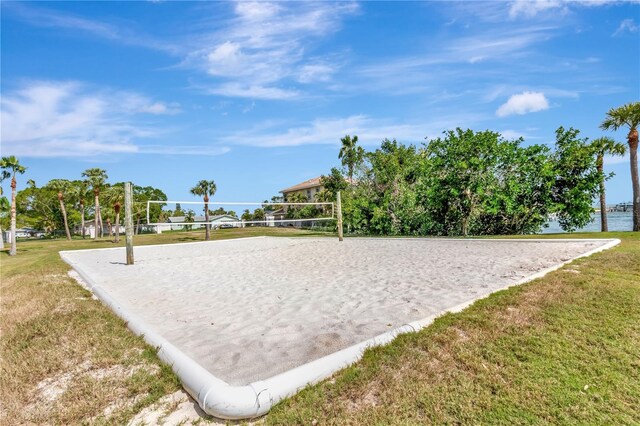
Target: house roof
221, 216
311, 183
273, 212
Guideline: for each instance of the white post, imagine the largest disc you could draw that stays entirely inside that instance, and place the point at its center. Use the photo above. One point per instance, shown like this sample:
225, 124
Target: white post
339, 208
128, 220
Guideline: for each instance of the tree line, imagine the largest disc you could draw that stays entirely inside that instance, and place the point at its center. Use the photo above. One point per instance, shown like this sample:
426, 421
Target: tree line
73, 205
479, 183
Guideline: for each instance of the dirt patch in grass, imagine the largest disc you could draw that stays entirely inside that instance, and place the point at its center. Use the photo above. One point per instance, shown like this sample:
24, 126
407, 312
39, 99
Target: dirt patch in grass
177, 408
67, 359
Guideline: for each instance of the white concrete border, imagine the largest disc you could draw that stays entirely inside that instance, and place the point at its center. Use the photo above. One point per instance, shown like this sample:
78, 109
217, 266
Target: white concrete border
222, 400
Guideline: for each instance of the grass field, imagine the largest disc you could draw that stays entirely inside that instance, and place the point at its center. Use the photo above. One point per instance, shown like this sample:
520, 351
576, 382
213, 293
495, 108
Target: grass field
561, 349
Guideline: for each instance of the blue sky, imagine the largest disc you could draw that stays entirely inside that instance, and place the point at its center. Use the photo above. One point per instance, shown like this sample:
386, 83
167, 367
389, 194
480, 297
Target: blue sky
257, 95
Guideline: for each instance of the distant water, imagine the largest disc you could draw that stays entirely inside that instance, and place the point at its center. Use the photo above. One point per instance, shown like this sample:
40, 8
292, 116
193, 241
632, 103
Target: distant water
618, 221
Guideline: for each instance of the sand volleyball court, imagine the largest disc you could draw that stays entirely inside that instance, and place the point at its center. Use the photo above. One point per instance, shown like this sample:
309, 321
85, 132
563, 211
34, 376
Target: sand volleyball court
249, 309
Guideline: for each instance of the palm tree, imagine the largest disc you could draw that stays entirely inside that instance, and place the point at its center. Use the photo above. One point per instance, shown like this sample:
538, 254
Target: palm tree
628, 116
10, 167
605, 146
189, 218
61, 185
323, 196
4, 208
79, 193
294, 197
205, 188
96, 178
350, 154
115, 196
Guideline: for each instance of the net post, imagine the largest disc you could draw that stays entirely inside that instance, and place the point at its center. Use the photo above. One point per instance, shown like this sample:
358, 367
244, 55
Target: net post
128, 220
339, 211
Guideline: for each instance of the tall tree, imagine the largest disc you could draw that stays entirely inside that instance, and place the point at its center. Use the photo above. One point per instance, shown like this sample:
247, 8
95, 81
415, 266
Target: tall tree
115, 196
258, 214
246, 216
605, 146
4, 208
189, 217
206, 189
96, 178
577, 179
78, 192
61, 186
294, 212
351, 154
143, 194
333, 183
10, 168
628, 116
39, 207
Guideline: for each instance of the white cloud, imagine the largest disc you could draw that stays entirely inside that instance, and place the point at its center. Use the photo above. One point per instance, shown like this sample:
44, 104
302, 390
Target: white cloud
496, 44
315, 72
523, 103
494, 92
626, 25
328, 131
161, 108
265, 45
70, 119
530, 8
447, 63
239, 90
258, 52
44, 17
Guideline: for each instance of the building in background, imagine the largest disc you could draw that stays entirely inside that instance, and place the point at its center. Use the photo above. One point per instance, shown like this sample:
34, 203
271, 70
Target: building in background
308, 188
175, 223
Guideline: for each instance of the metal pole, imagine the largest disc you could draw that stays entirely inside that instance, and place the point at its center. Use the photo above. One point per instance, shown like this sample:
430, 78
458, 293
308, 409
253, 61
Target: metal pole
339, 208
128, 220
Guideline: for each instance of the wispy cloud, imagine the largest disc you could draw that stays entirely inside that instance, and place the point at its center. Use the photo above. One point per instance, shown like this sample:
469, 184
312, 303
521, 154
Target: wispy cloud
501, 90
264, 47
474, 56
71, 119
471, 48
44, 17
498, 44
523, 103
251, 91
627, 25
262, 51
532, 8
328, 131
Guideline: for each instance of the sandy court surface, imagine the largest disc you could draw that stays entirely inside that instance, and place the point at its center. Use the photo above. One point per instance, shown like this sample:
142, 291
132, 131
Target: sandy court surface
248, 309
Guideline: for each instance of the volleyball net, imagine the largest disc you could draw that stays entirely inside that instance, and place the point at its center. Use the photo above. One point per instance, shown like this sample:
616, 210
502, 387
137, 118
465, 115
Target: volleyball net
170, 215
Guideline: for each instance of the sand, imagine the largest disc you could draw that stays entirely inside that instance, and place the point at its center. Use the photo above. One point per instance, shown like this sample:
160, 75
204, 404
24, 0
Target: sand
248, 309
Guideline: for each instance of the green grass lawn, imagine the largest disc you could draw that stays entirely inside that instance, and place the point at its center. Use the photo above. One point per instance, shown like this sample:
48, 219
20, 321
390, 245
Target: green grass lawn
564, 349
